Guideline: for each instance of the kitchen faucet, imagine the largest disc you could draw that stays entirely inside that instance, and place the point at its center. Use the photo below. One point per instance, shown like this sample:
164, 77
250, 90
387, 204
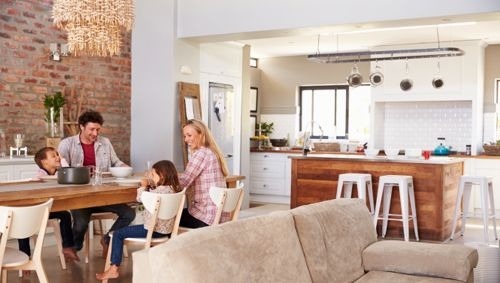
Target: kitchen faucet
307, 138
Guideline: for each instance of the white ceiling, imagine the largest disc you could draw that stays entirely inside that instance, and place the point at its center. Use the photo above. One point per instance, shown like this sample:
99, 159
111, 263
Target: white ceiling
367, 36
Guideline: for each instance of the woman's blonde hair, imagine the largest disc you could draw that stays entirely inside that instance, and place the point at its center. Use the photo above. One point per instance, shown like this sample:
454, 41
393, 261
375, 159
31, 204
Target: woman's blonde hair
208, 141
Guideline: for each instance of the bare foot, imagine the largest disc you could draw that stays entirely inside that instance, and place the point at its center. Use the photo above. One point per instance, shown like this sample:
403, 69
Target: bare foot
70, 254
111, 273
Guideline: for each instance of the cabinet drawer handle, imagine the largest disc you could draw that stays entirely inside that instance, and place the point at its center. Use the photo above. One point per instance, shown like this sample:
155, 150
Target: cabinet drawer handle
264, 168
264, 185
266, 156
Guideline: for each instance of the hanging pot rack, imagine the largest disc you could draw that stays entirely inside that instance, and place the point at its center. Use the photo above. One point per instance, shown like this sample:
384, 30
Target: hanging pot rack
384, 55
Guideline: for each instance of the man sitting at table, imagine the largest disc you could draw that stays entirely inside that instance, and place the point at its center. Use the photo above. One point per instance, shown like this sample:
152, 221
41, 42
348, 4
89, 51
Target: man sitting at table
88, 148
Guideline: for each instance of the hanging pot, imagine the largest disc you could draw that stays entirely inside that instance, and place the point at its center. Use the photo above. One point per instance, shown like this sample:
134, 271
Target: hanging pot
355, 79
376, 78
406, 84
438, 82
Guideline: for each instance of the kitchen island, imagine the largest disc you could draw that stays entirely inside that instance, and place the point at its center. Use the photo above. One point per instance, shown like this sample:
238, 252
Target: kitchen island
314, 179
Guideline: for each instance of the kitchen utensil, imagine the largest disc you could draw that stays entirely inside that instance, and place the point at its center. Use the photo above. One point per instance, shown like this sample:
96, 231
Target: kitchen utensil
376, 78
406, 84
441, 149
437, 81
355, 79
73, 175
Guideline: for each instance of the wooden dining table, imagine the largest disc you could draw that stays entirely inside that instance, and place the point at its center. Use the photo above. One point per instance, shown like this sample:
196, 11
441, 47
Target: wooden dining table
65, 196
68, 197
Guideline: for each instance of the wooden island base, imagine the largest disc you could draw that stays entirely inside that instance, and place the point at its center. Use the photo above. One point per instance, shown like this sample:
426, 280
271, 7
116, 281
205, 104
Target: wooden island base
314, 179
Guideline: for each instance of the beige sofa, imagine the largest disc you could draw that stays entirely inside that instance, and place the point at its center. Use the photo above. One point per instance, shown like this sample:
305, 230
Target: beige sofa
331, 241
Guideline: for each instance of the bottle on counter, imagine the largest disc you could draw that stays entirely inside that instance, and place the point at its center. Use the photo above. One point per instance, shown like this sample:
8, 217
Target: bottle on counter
468, 149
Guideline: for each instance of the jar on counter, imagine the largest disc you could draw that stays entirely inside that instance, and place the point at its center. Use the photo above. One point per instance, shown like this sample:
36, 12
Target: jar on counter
468, 149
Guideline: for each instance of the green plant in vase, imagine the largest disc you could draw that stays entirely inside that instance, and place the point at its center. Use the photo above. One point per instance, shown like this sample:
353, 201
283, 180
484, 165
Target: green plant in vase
53, 106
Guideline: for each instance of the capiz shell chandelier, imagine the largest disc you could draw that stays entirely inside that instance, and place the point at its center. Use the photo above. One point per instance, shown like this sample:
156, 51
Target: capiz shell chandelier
94, 27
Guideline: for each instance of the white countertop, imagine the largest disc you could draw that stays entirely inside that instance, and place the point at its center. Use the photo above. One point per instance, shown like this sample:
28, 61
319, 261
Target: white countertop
398, 159
17, 160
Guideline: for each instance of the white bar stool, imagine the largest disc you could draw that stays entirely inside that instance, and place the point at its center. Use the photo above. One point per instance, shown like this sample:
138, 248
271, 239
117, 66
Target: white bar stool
485, 184
363, 184
405, 184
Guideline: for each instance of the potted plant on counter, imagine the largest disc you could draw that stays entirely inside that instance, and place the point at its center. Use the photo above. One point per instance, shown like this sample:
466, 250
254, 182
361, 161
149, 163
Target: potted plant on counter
53, 116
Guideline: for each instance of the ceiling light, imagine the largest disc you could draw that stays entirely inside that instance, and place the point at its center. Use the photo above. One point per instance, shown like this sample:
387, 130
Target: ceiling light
94, 27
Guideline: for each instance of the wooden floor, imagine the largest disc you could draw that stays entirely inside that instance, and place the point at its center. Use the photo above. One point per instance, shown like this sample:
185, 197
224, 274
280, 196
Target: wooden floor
488, 270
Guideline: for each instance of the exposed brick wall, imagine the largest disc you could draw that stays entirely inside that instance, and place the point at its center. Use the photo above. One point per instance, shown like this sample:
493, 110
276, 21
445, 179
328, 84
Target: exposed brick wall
27, 74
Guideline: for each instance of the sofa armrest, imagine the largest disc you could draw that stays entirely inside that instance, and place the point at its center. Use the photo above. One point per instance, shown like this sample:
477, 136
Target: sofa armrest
438, 260
141, 268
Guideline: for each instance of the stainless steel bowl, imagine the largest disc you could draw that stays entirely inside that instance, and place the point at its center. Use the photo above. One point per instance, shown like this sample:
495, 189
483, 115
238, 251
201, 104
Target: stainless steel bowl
406, 84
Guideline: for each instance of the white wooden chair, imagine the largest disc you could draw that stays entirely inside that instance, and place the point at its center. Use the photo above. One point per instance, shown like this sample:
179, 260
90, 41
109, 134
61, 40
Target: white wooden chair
161, 206
24, 223
99, 216
228, 200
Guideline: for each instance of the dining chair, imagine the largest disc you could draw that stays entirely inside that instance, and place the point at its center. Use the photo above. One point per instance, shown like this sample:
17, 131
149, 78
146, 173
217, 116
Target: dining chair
99, 216
161, 206
24, 222
228, 200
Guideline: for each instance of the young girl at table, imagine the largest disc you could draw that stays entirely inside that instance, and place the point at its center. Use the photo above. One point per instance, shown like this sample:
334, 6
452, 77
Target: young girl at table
162, 178
48, 161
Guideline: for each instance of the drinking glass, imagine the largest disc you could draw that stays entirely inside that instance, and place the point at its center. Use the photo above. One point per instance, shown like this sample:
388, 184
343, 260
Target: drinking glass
97, 177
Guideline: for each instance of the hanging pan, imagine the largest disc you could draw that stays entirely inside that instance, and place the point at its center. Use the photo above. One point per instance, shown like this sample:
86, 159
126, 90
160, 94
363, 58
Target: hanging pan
437, 81
406, 84
355, 79
376, 78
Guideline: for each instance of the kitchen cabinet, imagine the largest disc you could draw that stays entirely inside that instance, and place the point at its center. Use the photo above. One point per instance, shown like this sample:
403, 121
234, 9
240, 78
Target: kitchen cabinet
17, 168
315, 177
270, 176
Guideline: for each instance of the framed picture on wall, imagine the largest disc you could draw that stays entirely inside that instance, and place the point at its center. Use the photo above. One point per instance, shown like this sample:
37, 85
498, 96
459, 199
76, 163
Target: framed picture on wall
254, 97
253, 121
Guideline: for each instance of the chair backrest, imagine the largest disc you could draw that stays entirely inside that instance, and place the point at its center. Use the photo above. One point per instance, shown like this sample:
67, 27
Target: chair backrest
164, 206
27, 221
5, 222
227, 200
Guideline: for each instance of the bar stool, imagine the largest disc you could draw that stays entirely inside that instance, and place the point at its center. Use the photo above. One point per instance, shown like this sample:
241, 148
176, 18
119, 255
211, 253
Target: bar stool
405, 184
363, 183
464, 190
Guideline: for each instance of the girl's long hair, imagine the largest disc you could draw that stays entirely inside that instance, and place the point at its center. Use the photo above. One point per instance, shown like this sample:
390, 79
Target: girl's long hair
207, 140
168, 174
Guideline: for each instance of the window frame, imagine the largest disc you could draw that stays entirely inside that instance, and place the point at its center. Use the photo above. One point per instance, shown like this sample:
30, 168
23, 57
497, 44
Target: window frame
326, 87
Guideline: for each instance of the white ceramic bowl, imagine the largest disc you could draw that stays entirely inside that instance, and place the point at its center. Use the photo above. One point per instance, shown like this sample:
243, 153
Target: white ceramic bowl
121, 172
371, 152
413, 152
391, 152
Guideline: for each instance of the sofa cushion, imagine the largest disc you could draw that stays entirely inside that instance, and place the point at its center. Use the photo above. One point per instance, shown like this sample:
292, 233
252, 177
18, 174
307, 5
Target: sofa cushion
259, 249
333, 235
391, 277
447, 261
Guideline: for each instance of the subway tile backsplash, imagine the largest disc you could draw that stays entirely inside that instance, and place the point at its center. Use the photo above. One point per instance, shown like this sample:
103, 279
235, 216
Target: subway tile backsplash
419, 124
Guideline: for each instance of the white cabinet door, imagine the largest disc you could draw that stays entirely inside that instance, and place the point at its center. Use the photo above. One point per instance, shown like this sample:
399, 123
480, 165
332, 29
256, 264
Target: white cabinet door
25, 171
6, 172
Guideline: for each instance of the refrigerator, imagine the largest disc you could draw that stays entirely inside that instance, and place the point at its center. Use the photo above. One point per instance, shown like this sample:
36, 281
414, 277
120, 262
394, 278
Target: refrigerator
221, 119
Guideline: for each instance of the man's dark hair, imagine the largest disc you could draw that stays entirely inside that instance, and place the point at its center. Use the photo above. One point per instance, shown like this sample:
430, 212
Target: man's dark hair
90, 116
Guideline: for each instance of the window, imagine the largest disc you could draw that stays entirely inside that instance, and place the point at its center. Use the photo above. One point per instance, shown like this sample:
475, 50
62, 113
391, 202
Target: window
324, 111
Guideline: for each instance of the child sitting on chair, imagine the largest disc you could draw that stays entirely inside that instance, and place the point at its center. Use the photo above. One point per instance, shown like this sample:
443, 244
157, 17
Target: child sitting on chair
161, 179
48, 161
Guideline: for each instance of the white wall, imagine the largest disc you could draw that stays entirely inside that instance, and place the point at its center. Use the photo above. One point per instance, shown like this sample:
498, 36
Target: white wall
219, 17
154, 115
